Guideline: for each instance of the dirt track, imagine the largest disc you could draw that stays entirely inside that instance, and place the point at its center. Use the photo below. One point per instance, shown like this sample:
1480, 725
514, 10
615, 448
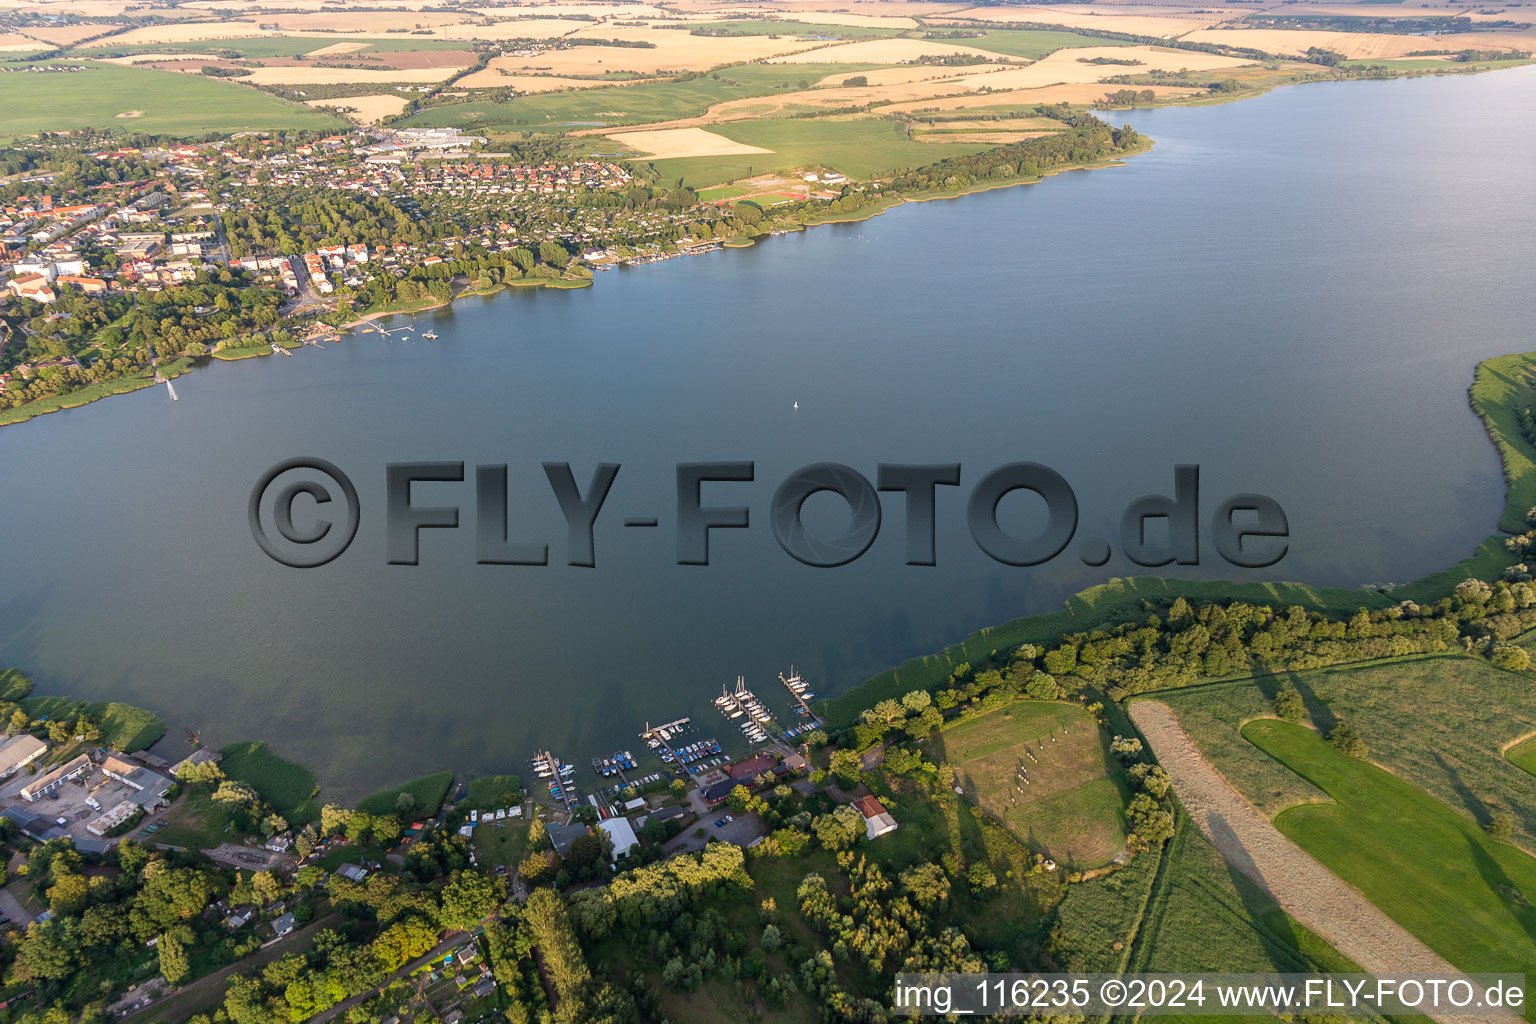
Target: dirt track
1305, 889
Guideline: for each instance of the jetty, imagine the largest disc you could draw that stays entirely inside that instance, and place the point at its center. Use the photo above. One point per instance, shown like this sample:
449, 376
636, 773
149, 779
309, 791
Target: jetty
550, 769
801, 694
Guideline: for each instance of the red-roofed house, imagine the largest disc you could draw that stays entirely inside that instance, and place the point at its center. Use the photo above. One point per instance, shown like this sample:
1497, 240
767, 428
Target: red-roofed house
33, 286
877, 820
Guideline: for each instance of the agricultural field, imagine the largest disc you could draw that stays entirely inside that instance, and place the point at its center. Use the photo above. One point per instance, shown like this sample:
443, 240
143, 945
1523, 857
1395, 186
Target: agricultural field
1430, 868
857, 148
1439, 723
642, 103
1203, 916
139, 99
288, 788
1072, 805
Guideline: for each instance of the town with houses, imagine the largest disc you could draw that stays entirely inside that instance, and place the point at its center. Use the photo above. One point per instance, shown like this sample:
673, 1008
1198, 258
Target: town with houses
338, 228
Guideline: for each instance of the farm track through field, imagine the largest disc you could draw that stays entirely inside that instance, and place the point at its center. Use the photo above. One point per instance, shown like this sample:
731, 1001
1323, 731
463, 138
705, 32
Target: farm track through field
1304, 888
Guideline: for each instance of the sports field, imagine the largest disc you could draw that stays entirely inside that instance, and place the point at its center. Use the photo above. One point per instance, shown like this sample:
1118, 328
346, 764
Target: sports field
152, 101
1431, 869
1072, 805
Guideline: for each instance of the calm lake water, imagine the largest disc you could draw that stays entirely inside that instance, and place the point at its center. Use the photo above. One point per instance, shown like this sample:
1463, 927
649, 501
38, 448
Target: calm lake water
1291, 292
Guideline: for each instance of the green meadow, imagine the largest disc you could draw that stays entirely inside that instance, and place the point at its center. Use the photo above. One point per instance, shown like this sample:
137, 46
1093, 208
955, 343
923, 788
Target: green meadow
1431, 869
170, 102
859, 149
630, 104
1438, 722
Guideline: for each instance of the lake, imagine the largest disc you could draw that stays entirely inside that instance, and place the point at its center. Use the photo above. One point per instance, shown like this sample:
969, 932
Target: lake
1290, 291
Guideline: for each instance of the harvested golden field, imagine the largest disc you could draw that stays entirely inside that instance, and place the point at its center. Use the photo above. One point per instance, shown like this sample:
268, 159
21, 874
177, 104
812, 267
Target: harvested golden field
1160, 22
906, 73
181, 33
12, 41
681, 142
198, 59
65, 35
366, 109
881, 51
493, 78
675, 50
519, 28
1361, 45
343, 76
336, 49
361, 21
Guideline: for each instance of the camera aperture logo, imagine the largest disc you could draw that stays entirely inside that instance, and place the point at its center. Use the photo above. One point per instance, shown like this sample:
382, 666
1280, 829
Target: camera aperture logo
1249, 531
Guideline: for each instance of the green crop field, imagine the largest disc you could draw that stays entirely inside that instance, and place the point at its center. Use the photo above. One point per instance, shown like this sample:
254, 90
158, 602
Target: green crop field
630, 104
859, 149
1431, 869
289, 788
1438, 722
1031, 44
1073, 805
1523, 755
170, 102
427, 791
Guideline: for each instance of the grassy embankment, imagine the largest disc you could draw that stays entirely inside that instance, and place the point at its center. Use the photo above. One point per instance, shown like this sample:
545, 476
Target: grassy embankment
1432, 870
93, 392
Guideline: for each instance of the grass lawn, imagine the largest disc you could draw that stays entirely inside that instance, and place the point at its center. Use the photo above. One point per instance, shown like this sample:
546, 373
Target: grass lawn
123, 726
289, 788
1523, 755
1431, 869
1033, 44
1073, 808
428, 791
503, 842
170, 102
1439, 723
860, 149
195, 822
631, 104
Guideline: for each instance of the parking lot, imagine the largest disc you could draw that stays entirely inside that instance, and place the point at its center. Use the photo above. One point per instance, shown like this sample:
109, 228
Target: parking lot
66, 805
